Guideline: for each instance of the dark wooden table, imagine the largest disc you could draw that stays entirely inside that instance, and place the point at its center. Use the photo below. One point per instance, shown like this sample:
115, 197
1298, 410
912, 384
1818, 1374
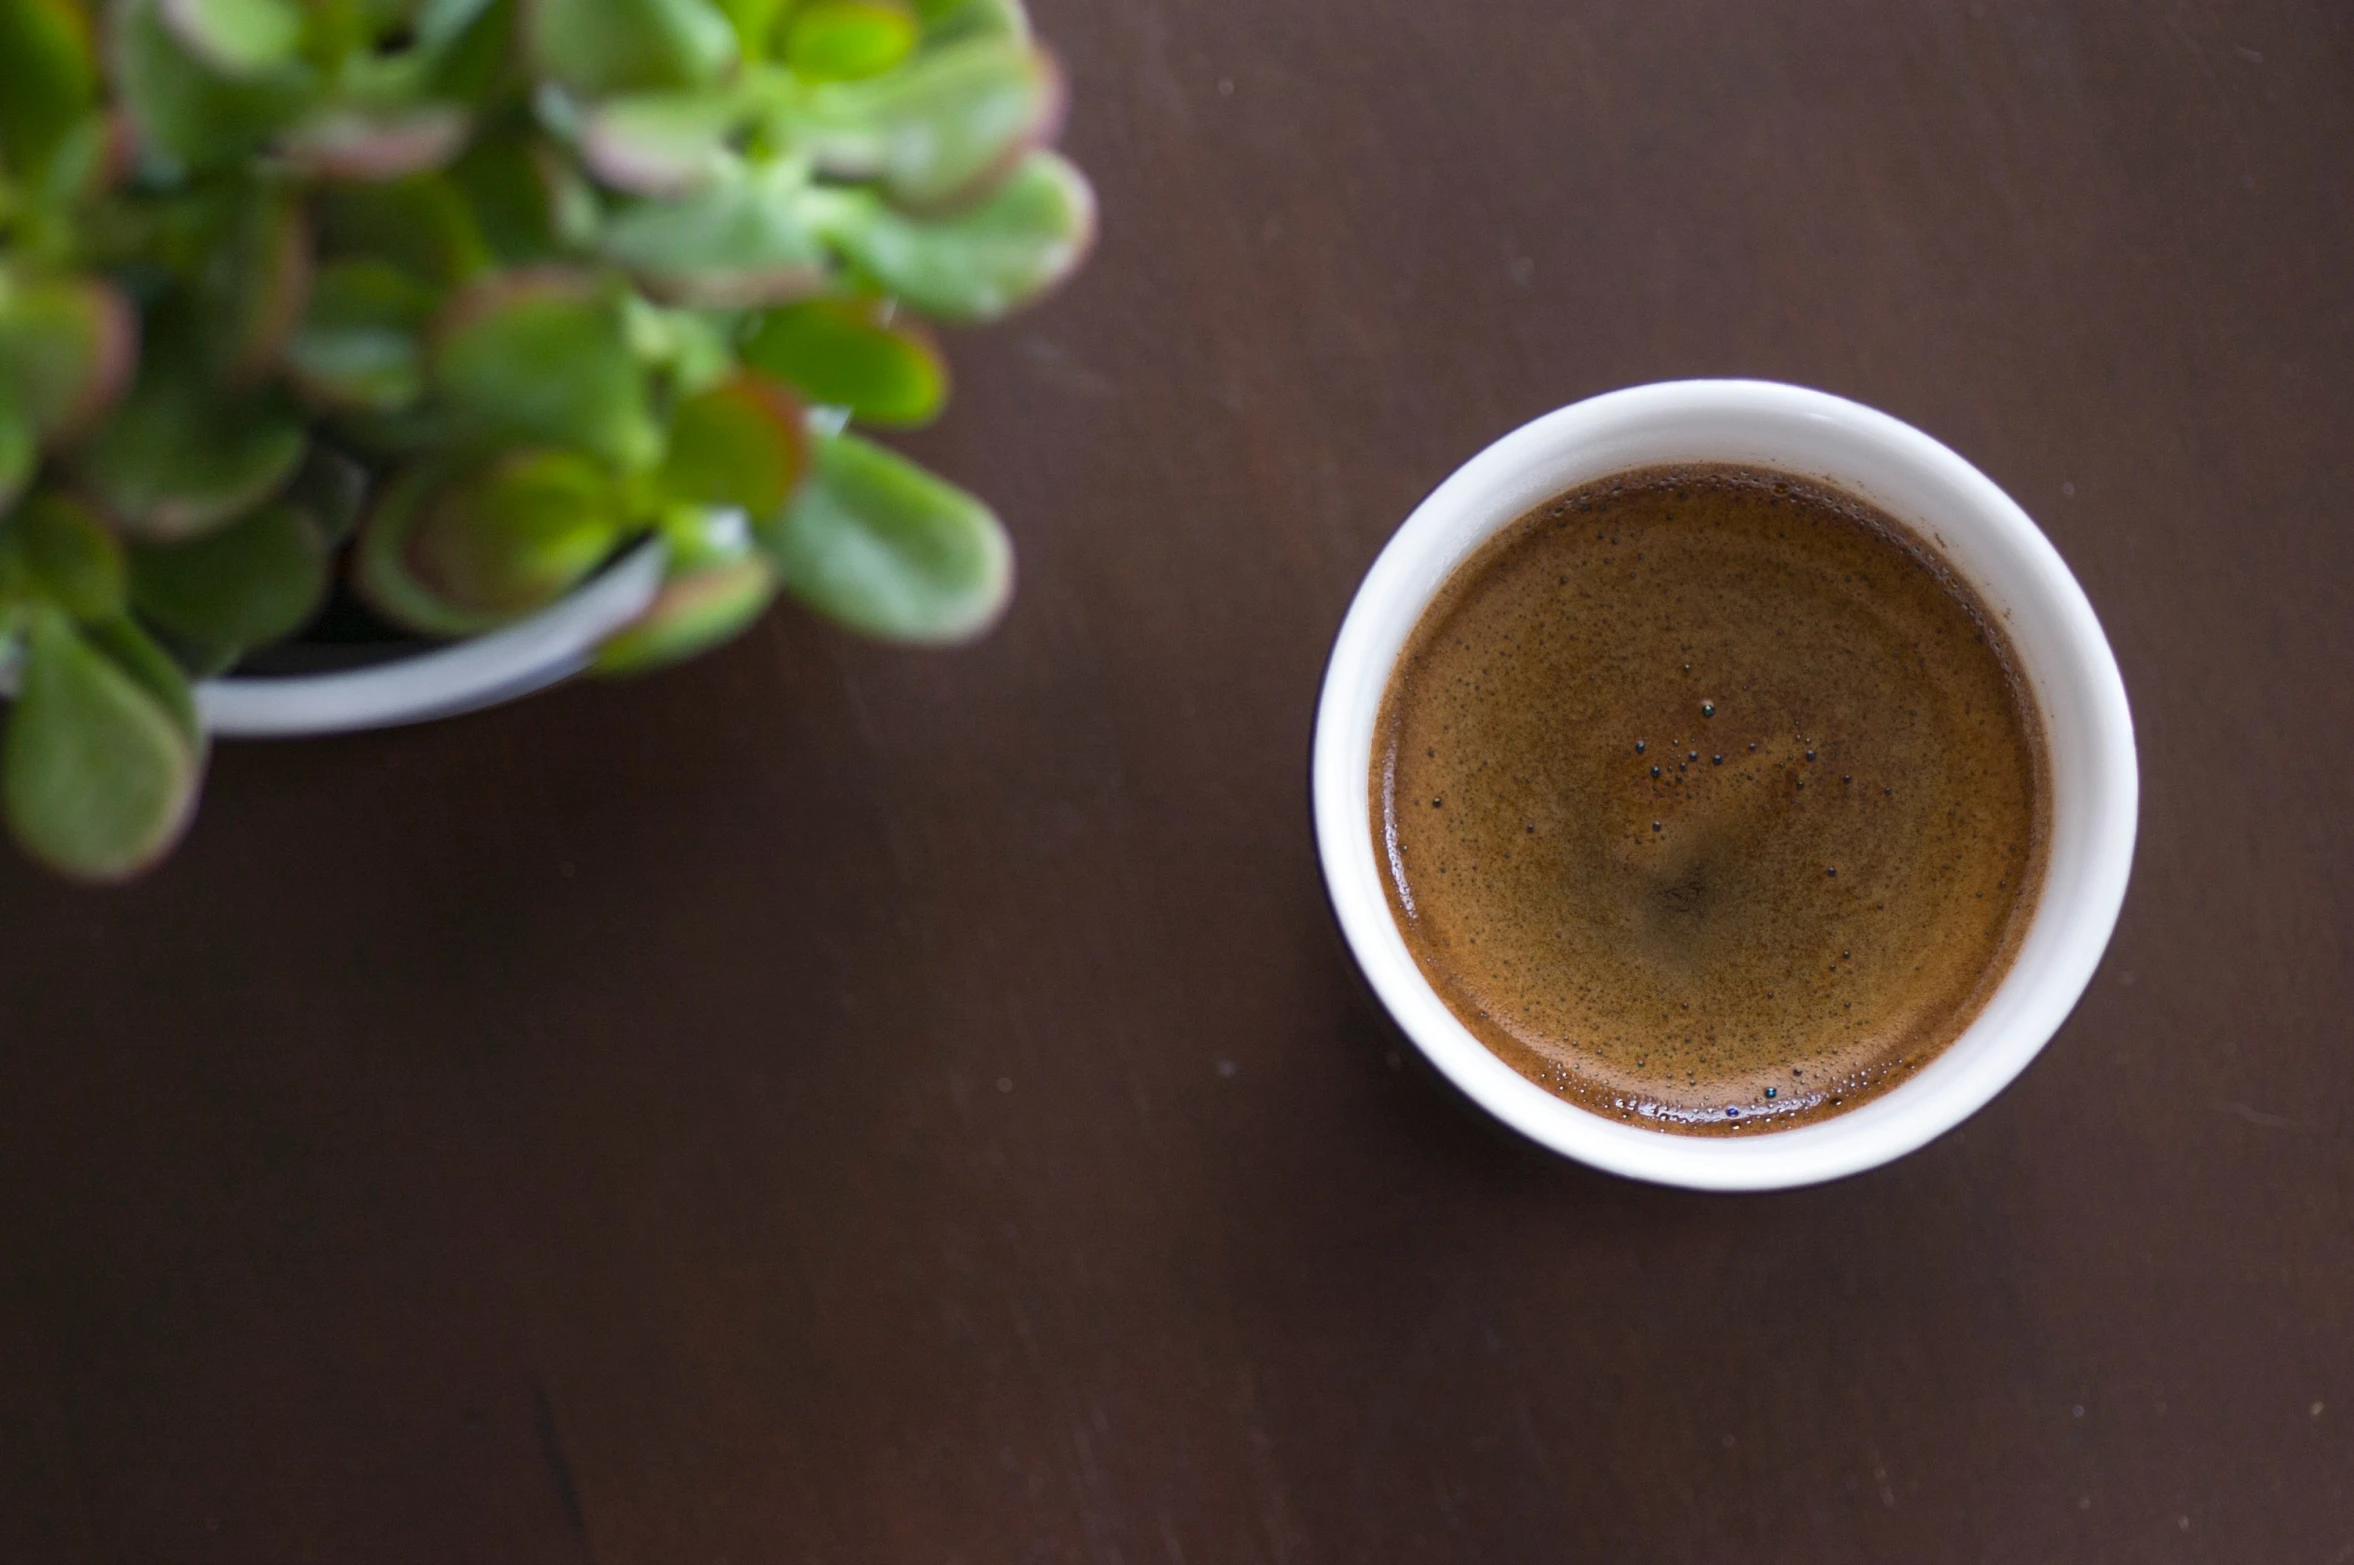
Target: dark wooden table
831, 1104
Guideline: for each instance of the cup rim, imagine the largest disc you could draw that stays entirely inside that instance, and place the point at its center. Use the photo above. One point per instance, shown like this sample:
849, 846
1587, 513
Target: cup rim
2069, 932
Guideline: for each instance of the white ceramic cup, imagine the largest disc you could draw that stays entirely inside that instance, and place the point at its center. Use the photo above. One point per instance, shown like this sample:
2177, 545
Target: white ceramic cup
1978, 530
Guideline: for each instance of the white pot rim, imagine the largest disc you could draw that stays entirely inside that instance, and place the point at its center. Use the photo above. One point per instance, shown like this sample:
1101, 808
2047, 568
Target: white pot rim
465, 676
1978, 530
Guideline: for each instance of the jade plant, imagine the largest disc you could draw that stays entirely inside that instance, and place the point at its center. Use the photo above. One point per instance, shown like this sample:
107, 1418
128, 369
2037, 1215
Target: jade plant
456, 300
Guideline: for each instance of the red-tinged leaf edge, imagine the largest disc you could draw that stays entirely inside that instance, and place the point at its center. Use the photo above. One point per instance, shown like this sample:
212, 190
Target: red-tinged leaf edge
114, 359
360, 148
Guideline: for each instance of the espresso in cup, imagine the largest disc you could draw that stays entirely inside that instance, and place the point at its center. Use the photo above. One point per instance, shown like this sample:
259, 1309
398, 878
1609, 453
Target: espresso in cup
1710, 799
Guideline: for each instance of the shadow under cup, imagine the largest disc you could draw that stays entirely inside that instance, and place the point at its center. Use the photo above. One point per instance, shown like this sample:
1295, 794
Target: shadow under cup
1977, 530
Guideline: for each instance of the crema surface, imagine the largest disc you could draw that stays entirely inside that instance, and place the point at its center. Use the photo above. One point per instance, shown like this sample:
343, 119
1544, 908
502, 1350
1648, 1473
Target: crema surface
1709, 800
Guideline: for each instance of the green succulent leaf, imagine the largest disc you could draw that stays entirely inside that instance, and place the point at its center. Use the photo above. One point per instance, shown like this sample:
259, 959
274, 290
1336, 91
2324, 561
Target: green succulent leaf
690, 350
736, 242
878, 544
755, 22
662, 143
545, 356
360, 343
451, 552
373, 146
440, 23
20, 454
189, 111
67, 556
179, 458
50, 66
853, 353
690, 615
980, 264
139, 655
849, 40
700, 537
87, 163
254, 582
254, 286
389, 61
954, 21
948, 125
468, 49
67, 346
199, 660
421, 224
237, 37
98, 774
346, 33
741, 444
518, 189
596, 47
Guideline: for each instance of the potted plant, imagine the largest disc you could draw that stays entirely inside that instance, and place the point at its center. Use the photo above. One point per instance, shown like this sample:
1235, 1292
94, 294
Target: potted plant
540, 326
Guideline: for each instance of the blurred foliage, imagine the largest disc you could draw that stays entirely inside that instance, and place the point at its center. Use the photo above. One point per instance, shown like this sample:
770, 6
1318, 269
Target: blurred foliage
462, 298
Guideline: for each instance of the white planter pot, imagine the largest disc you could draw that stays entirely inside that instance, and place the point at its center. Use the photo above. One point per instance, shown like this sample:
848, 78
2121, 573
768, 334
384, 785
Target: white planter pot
465, 676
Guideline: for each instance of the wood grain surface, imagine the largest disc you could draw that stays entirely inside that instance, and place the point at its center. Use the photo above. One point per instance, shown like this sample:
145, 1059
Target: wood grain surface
835, 1104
